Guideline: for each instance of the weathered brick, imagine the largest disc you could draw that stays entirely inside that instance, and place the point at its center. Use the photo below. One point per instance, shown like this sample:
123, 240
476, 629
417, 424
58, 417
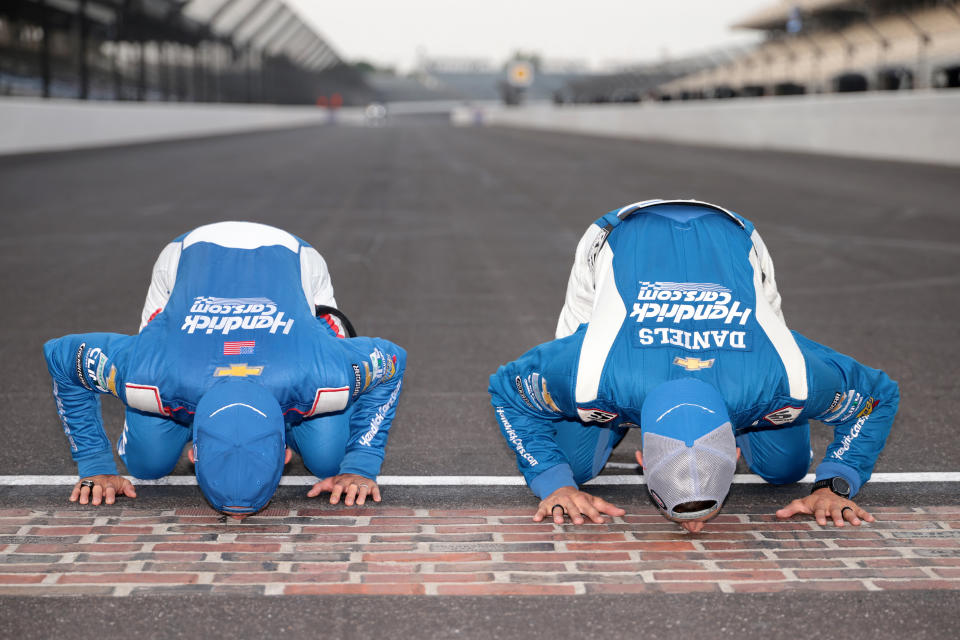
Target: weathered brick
225, 528
373, 567
851, 574
636, 567
285, 557
16, 558
764, 544
83, 531
341, 510
427, 577
832, 533
811, 564
740, 576
322, 567
677, 545
775, 587
97, 547
136, 557
903, 585
432, 537
388, 521
564, 537
57, 590
947, 573
838, 553
504, 589
498, 513
748, 565
218, 546
664, 587
499, 566
111, 578
425, 557
491, 547
401, 589
647, 556
264, 577
564, 556
61, 567
357, 530
296, 537
209, 567
182, 537
496, 528
20, 578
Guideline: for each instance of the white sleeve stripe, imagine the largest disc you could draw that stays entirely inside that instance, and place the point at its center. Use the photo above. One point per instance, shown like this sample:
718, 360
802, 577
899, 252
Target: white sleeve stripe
162, 279
609, 313
776, 329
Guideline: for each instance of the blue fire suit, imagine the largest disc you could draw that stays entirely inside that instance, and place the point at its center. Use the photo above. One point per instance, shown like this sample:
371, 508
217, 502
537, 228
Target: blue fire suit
237, 308
678, 290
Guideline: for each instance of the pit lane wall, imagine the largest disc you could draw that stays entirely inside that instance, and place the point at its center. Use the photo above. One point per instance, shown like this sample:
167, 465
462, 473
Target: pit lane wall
31, 125
918, 126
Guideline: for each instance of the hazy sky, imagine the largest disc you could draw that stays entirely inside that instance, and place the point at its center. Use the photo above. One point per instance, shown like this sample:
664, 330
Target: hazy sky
597, 32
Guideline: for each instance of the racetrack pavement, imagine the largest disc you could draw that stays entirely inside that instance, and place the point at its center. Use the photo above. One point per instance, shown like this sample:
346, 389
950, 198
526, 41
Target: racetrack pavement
456, 244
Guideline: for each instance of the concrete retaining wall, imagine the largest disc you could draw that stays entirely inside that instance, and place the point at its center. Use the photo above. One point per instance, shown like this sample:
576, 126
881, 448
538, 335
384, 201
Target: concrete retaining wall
48, 125
919, 126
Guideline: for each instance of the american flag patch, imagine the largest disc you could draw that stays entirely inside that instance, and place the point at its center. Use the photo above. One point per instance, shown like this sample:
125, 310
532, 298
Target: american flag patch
238, 348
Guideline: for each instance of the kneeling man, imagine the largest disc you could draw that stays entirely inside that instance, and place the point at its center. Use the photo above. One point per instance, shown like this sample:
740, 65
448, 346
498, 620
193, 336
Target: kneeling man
232, 356
672, 325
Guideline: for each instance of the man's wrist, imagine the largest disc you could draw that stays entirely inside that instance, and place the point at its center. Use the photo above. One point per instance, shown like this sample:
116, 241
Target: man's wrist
836, 484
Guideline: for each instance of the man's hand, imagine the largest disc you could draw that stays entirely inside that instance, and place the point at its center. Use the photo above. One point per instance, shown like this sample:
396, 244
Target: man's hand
350, 484
105, 489
575, 503
824, 503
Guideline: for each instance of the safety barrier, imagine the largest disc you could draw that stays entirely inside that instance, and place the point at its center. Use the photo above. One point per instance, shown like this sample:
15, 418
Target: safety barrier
29, 125
917, 126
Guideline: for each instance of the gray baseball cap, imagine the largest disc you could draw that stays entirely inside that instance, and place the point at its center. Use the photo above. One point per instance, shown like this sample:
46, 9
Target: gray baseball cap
689, 450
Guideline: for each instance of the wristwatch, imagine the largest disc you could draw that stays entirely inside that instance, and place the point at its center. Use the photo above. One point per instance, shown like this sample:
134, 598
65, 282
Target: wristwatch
836, 484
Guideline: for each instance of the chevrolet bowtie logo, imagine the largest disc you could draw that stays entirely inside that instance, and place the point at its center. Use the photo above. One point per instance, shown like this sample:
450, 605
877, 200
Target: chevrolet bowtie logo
693, 364
238, 370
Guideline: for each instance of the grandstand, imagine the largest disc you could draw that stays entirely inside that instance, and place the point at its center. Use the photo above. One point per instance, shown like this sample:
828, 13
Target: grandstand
820, 46
176, 50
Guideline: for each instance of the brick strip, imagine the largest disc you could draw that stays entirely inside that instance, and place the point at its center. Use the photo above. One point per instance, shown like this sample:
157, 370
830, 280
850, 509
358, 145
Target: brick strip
372, 550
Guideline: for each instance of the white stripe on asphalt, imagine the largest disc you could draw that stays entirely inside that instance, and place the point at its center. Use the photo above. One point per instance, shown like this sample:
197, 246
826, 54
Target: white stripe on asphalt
482, 481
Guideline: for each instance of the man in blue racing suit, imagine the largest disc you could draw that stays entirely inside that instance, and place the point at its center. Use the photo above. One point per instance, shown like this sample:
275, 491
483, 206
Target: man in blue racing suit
672, 324
231, 356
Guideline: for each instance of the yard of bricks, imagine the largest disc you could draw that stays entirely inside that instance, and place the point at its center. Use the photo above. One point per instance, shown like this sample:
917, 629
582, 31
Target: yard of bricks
121, 550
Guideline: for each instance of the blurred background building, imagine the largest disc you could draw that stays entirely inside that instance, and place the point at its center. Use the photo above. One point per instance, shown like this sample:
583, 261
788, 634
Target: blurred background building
263, 51
808, 46
170, 50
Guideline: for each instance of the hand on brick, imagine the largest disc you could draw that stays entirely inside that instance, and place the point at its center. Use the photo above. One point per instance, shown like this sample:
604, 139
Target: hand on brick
349, 485
824, 503
105, 489
570, 501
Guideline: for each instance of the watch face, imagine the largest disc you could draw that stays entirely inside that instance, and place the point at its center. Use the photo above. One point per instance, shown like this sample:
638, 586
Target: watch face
840, 486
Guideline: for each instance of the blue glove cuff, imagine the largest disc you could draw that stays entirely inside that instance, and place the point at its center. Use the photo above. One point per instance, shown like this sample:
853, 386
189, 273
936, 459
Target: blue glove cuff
829, 469
95, 464
548, 481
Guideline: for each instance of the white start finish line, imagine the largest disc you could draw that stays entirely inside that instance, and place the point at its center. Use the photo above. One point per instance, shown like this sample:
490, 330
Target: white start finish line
477, 481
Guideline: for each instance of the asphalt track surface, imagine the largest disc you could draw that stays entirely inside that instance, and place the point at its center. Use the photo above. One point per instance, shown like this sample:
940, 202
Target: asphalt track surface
456, 244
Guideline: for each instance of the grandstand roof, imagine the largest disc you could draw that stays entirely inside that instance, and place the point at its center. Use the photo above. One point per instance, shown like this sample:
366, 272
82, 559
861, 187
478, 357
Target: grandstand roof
776, 15
270, 25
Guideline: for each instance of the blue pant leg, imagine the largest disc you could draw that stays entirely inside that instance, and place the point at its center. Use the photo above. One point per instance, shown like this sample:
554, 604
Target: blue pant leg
321, 442
150, 446
779, 456
587, 447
